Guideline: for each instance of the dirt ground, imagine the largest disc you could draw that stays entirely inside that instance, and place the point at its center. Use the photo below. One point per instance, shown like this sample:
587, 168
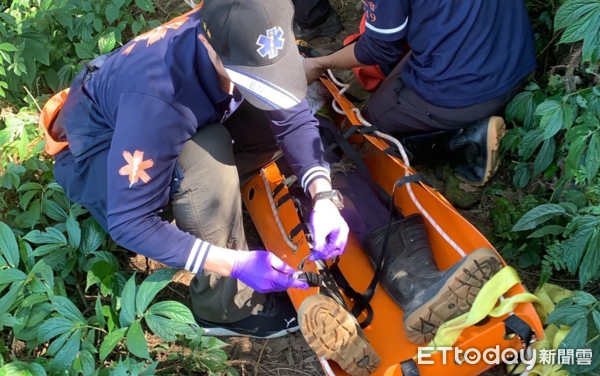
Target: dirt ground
291, 356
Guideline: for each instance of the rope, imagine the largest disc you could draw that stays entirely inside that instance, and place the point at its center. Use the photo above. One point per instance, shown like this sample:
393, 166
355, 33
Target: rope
293, 246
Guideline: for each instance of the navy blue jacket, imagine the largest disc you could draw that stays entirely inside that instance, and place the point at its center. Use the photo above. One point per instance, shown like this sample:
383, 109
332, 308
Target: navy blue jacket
463, 51
128, 126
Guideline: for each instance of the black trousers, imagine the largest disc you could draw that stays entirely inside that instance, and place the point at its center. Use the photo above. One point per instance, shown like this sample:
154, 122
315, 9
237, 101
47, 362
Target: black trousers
311, 13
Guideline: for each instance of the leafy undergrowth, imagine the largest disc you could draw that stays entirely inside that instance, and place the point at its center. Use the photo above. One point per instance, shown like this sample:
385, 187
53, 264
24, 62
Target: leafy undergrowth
73, 302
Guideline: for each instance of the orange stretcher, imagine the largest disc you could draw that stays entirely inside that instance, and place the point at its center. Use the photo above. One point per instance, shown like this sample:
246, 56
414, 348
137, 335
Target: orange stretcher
385, 333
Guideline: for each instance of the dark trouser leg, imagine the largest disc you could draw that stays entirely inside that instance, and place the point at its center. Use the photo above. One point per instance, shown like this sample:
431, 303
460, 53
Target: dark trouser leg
311, 13
208, 205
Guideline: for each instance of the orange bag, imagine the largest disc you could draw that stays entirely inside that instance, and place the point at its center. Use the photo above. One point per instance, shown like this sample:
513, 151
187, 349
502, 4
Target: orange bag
48, 116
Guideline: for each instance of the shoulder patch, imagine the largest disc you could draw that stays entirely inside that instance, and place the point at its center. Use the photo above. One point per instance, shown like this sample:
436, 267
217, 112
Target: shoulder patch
136, 167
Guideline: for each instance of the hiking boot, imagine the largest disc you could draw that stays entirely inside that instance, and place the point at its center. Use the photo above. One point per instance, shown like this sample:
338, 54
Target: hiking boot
482, 144
428, 296
276, 319
330, 27
332, 332
428, 148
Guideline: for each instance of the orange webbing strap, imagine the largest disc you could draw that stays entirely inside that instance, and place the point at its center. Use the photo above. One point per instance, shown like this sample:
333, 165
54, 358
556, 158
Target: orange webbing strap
48, 116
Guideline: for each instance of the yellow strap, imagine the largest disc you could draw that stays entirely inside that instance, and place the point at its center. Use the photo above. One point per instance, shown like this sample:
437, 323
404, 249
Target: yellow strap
484, 305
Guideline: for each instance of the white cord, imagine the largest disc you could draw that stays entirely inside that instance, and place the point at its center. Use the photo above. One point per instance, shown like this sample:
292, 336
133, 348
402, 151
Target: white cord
293, 246
404, 157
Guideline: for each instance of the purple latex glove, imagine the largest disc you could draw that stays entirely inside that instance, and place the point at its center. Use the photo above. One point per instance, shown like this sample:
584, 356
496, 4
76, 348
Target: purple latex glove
265, 272
327, 222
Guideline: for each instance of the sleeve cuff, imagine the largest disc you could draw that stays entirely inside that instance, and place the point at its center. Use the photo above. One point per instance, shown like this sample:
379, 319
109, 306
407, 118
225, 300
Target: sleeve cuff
197, 256
312, 174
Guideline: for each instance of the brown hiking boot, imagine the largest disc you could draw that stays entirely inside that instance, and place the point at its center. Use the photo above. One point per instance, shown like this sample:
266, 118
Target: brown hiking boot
333, 333
429, 297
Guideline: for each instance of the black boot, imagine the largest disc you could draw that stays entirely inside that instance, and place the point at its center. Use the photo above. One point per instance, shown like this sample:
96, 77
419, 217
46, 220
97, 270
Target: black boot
429, 297
481, 150
332, 332
429, 148
330, 27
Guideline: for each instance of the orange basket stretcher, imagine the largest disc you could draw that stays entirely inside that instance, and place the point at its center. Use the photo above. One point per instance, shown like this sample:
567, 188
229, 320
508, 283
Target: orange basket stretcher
275, 221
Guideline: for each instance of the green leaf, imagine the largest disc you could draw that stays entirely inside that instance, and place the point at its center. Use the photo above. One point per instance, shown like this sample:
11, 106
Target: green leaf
545, 157
566, 315
145, 5
583, 27
136, 27
530, 143
66, 356
51, 236
8, 276
570, 11
547, 230
85, 51
173, 310
8, 245
127, 316
112, 13
34, 299
573, 159
19, 368
98, 272
10, 297
152, 286
575, 246
54, 327
136, 341
87, 362
167, 329
596, 316
591, 260
110, 342
66, 308
74, 231
8, 47
47, 249
30, 186
58, 344
92, 236
592, 160
522, 176
107, 42
37, 50
537, 216
118, 3
577, 335
99, 315
25, 198
53, 210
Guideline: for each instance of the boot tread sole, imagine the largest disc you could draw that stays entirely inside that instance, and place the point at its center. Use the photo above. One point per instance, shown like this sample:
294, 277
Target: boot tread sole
455, 297
332, 333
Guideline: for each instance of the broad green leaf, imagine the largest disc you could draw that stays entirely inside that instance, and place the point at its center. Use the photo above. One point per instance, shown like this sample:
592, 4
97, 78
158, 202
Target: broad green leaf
136, 341
537, 216
10, 297
19, 368
591, 260
592, 160
47, 249
151, 369
107, 42
173, 310
66, 308
118, 3
31, 217
545, 157
152, 286
110, 342
530, 143
522, 176
98, 272
596, 316
8, 245
548, 107
54, 327
87, 362
37, 50
92, 236
51, 236
11, 275
74, 231
577, 335
30, 186
573, 159
583, 27
575, 247
127, 316
34, 299
136, 27
53, 210
145, 5
8, 47
66, 356
566, 315
111, 13
572, 10
167, 329
58, 343
547, 230
25, 198
39, 313
99, 315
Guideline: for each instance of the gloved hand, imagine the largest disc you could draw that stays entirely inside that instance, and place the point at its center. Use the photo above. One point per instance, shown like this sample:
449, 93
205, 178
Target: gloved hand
327, 222
265, 272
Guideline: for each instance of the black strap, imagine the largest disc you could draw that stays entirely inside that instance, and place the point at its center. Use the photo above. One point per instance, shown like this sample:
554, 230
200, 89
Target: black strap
515, 325
296, 230
361, 304
283, 200
313, 279
285, 183
409, 368
359, 298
